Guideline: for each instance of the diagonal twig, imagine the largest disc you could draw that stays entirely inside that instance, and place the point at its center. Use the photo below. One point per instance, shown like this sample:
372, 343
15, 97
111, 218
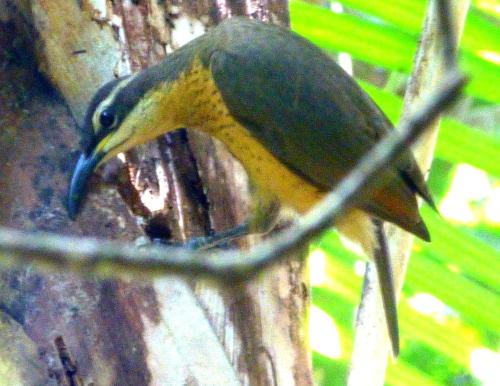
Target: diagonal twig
105, 258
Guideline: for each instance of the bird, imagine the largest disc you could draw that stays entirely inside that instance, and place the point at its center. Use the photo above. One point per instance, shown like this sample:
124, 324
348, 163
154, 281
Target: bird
286, 111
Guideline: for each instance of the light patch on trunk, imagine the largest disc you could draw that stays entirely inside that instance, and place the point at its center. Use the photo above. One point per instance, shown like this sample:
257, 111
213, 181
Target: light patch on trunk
186, 29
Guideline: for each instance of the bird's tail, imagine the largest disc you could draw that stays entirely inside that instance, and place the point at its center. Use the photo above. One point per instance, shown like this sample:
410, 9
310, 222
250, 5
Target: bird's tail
383, 264
368, 233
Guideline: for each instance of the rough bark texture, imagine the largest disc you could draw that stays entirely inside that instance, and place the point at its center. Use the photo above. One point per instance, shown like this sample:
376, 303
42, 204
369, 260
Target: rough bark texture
68, 330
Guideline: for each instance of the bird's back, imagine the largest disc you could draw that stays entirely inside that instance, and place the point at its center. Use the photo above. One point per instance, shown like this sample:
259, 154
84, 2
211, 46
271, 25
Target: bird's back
309, 113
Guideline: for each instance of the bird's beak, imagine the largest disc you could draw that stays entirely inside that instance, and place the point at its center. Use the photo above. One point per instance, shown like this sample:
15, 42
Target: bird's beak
81, 175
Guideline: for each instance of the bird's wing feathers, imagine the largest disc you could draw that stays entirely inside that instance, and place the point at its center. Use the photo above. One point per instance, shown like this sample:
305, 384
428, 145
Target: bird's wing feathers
312, 116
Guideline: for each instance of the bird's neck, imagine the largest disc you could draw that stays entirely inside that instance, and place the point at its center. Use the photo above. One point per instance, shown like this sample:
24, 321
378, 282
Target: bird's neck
190, 100
193, 100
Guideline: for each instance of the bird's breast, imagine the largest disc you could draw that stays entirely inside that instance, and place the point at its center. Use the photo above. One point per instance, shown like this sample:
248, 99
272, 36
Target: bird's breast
210, 114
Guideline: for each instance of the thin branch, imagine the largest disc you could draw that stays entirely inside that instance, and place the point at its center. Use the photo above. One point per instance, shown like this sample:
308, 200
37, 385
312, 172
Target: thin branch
105, 258
448, 35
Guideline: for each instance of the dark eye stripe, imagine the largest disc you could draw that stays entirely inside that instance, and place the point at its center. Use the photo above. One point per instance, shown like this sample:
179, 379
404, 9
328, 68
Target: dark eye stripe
88, 130
103, 131
107, 123
101, 134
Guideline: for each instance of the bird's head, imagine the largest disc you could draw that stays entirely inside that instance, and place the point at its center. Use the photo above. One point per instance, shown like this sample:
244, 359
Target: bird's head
121, 114
136, 109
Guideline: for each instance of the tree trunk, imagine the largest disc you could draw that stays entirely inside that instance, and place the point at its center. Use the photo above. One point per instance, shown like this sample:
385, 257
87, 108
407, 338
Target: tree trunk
68, 330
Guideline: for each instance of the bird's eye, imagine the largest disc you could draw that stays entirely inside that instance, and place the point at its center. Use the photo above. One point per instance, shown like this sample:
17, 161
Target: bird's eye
106, 118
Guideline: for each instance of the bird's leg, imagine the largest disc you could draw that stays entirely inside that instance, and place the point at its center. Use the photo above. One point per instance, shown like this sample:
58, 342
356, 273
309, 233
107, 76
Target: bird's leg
264, 217
218, 239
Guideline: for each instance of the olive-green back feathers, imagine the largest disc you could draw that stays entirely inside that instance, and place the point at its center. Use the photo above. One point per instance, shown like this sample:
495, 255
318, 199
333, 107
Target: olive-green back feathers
313, 116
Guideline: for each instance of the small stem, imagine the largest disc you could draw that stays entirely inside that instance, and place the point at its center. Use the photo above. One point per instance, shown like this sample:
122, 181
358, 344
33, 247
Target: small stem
105, 258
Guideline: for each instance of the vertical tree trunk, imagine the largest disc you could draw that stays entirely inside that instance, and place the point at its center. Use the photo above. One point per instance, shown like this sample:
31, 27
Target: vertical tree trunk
165, 332
371, 346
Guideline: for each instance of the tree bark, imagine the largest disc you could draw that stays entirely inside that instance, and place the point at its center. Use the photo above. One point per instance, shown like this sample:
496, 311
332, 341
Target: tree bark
70, 330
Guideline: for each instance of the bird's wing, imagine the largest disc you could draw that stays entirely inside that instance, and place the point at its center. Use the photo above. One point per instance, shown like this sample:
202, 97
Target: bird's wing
310, 114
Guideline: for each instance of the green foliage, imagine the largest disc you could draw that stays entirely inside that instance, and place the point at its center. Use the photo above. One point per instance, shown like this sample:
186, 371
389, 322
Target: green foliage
388, 39
457, 141
460, 268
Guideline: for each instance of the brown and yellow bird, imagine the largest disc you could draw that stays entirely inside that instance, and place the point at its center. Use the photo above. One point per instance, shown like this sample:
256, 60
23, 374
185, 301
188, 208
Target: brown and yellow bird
293, 118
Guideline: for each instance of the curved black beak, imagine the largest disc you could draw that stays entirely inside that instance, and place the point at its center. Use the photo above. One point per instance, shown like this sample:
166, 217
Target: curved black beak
81, 175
